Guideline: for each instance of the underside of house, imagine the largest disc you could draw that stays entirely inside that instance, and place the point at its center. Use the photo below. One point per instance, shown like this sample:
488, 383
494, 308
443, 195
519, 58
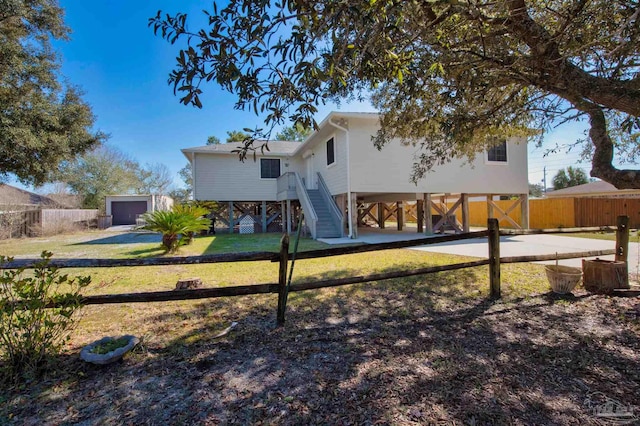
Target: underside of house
449, 213
337, 182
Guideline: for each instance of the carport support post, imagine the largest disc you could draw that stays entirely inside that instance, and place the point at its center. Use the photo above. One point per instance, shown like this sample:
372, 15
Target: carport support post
231, 223
400, 215
282, 278
420, 215
354, 215
524, 211
465, 212
381, 214
489, 206
428, 218
622, 239
264, 217
494, 258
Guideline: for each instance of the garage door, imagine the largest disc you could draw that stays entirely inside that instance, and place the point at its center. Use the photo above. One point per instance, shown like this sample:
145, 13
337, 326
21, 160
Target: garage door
125, 212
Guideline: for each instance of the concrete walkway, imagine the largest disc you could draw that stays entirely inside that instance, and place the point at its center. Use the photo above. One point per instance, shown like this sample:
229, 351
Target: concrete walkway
518, 245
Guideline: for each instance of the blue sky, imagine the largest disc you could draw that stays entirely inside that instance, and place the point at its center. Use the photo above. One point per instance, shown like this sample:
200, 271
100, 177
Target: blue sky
123, 68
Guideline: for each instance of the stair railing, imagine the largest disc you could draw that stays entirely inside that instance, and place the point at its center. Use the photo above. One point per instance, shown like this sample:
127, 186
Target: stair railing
336, 215
310, 215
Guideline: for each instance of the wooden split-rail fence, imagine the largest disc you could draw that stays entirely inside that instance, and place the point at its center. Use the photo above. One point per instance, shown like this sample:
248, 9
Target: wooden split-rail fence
285, 259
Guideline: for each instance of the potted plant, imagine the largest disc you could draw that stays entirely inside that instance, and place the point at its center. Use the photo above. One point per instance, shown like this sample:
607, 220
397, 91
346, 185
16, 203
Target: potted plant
108, 349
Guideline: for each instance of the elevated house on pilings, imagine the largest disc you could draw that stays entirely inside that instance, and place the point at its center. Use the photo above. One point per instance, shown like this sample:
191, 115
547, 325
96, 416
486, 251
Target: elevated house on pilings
341, 181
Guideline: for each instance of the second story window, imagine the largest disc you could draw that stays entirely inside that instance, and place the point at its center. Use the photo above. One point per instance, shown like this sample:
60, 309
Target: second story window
269, 168
498, 153
331, 153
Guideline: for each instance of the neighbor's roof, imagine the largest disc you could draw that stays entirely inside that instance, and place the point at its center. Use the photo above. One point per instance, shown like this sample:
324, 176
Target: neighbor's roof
12, 195
275, 148
599, 187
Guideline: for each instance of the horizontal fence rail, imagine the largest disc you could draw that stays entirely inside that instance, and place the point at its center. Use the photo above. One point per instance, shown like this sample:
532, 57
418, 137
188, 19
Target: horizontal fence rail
148, 261
175, 295
494, 260
557, 256
238, 257
507, 232
338, 251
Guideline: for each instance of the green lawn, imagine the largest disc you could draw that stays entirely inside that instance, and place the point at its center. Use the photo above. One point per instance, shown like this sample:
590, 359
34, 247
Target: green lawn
102, 244
517, 280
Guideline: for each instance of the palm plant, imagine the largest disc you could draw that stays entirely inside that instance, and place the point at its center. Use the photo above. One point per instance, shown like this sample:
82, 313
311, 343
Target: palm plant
177, 226
195, 211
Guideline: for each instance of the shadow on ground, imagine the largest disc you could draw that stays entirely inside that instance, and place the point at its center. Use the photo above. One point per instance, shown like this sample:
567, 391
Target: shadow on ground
378, 353
125, 238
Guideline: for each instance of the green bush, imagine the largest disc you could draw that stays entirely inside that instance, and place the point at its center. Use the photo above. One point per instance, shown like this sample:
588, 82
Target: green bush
30, 330
178, 225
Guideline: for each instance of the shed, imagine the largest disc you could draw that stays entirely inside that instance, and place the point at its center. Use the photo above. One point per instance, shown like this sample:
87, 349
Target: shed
125, 209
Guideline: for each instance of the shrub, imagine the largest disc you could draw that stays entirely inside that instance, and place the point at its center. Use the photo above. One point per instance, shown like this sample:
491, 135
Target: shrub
177, 226
31, 331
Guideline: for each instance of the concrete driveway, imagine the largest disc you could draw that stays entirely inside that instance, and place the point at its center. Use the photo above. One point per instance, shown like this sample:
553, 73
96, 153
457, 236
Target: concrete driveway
518, 245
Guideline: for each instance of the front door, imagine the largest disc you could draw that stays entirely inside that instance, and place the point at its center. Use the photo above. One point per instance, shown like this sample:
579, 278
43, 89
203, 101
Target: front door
311, 175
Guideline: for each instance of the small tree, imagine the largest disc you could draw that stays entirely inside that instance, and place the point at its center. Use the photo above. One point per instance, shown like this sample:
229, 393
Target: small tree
237, 136
535, 190
102, 171
297, 133
30, 330
572, 177
154, 179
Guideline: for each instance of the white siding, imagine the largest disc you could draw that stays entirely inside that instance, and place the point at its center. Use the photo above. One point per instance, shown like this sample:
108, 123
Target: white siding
222, 177
335, 175
389, 170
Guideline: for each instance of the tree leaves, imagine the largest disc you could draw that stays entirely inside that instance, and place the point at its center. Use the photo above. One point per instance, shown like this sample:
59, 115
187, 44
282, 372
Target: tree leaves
42, 121
448, 76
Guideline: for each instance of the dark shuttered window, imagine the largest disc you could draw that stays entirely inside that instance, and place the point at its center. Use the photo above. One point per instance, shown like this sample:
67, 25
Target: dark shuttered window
498, 153
269, 168
331, 153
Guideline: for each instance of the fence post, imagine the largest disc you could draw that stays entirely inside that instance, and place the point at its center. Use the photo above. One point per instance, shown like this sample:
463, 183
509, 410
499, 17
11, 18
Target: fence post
622, 239
282, 278
494, 257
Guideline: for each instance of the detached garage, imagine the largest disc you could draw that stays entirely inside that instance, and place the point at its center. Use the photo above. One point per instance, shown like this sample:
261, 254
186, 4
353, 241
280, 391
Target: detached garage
125, 209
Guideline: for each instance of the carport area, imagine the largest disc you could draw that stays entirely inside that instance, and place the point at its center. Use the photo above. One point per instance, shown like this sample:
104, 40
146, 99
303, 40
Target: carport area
516, 245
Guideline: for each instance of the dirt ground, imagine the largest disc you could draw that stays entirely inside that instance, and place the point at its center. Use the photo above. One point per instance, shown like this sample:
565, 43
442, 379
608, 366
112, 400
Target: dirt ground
361, 355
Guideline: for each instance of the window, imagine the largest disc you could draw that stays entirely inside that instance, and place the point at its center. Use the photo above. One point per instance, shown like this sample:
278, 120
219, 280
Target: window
331, 154
269, 168
498, 153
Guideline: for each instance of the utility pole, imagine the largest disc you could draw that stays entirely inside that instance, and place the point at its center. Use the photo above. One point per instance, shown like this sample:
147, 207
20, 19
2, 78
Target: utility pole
544, 179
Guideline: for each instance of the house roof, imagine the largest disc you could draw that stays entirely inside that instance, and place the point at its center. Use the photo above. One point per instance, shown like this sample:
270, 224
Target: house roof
591, 189
11, 195
275, 148
285, 148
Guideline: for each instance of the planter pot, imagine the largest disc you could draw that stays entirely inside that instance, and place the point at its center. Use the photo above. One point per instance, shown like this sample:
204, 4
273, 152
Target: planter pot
101, 359
563, 279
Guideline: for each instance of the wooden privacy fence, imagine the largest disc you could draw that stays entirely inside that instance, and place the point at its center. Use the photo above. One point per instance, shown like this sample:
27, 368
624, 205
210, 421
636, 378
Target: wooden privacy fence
564, 212
284, 257
543, 213
70, 215
19, 223
35, 222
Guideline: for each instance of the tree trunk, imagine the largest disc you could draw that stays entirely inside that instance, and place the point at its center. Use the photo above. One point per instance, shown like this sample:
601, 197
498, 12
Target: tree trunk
602, 166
